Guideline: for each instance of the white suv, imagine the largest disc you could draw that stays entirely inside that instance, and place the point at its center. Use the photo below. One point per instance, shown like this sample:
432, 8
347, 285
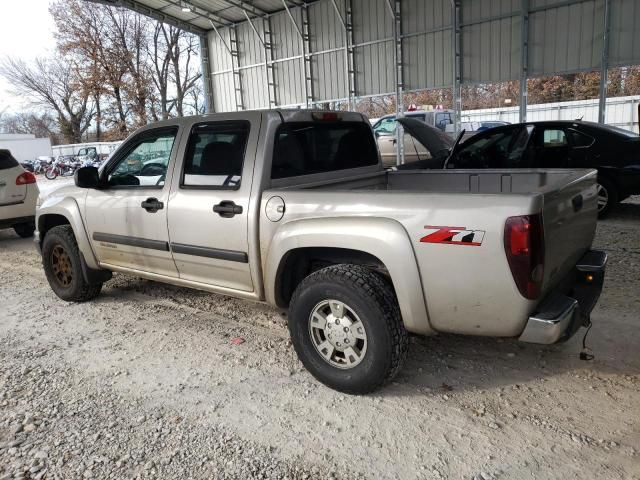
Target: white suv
18, 196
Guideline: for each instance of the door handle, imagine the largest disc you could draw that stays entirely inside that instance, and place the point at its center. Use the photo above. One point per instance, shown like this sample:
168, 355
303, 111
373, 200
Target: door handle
227, 209
577, 202
152, 205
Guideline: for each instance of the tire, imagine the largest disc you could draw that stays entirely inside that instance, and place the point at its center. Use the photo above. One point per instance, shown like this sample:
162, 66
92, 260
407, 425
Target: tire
366, 298
51, 173
63, 267
608, 197
24, 230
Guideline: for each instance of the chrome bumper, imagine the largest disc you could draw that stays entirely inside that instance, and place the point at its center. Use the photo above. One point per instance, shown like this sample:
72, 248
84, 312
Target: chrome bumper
561, 314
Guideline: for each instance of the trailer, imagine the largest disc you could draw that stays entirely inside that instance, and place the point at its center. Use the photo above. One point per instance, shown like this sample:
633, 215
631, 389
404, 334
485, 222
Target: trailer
25, 147
102, 149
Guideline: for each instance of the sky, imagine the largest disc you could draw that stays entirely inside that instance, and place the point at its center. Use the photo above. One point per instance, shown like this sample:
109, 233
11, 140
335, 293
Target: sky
26, 32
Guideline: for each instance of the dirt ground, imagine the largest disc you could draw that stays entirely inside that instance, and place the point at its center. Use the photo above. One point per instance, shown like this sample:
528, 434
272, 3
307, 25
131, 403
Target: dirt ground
145, 382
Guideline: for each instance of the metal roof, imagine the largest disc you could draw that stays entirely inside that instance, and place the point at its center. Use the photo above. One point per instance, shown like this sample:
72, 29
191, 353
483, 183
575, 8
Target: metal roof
203, 15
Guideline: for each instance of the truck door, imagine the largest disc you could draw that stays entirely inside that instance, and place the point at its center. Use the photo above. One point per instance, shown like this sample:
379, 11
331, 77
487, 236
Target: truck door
209, 206
127, 219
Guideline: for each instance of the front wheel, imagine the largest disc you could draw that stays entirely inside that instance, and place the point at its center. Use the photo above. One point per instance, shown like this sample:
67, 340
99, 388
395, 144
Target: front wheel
63, 268
346, 328
51, 173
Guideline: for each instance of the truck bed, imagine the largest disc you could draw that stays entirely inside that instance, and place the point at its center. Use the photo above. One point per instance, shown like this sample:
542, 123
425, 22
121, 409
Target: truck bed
460, 282
487, 181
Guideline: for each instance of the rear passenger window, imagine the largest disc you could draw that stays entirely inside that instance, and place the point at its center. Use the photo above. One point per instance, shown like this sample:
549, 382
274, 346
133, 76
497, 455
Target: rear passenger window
579, 139
554, 138
215, 155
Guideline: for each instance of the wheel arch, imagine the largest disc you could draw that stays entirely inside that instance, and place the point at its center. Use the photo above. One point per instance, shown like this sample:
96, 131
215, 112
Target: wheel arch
65, 211
300, 247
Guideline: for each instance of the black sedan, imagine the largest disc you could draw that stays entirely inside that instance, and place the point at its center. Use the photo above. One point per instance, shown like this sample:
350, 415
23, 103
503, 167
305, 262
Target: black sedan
614, 152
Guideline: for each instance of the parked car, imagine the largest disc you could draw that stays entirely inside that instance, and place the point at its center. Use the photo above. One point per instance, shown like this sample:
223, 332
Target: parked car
385, 131
614, 152
294, 208
18, 195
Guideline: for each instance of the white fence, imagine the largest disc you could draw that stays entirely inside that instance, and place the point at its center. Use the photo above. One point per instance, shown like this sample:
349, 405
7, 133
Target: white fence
620, 112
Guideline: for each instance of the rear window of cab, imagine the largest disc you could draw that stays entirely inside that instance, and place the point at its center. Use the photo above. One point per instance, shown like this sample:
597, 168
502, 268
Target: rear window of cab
306, 148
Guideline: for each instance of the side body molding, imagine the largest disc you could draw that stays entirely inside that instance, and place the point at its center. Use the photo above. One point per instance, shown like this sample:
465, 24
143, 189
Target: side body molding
68, 208
383, 238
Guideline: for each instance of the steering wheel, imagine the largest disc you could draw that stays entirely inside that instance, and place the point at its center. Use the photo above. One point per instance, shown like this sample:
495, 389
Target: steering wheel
152, 169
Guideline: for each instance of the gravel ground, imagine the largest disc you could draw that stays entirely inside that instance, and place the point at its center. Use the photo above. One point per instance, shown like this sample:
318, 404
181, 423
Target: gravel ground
146, 382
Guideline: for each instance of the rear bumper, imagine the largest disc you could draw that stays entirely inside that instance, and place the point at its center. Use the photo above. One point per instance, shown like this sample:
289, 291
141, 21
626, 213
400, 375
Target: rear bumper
569, 307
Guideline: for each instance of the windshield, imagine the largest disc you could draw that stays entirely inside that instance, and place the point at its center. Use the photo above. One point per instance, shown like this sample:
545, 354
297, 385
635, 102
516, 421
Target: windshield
305, 148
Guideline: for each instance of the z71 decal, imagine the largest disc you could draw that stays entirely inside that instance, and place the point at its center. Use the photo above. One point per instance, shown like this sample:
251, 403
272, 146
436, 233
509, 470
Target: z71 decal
453, 236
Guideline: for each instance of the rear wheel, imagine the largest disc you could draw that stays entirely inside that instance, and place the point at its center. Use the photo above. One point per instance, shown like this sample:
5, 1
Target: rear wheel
607, 197
63, 267
346, 328
24, 230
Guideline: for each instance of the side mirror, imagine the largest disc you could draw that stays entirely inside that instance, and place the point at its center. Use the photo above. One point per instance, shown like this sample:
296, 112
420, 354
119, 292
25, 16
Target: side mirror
377, 133
87, 177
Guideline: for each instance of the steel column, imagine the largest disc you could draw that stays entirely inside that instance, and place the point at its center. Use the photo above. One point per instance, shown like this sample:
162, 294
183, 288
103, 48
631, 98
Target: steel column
396, 14
306, 50
524, 60
351, 69
457, 65
348, 49
269, 65
266, 57
604, 63
207, 82
237, 78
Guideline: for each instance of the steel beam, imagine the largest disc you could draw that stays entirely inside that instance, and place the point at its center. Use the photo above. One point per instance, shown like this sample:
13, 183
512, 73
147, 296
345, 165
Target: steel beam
457, 64
207, 81
604, 63
152, 13
202, 13
524, 60
247, 7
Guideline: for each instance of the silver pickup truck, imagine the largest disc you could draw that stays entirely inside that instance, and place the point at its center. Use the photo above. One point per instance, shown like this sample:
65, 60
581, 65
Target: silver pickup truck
294, 208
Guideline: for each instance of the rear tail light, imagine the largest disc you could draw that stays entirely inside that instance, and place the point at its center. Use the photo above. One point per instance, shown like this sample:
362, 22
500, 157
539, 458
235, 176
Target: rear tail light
524, 246
326, 116
25, 178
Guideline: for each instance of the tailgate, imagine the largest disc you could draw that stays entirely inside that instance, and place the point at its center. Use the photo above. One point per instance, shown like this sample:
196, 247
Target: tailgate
569, 216
10, 193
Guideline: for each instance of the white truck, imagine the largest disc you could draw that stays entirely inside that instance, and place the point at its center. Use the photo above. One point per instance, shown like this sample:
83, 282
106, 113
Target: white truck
294, 208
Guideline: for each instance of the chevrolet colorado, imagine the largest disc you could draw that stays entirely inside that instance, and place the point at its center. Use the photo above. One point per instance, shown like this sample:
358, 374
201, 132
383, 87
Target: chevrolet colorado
294, 208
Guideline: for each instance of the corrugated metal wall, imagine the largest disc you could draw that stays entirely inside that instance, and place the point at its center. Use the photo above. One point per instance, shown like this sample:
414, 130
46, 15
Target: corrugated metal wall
564, 36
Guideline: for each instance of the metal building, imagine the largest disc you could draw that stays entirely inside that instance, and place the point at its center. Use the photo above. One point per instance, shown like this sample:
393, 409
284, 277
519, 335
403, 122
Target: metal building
268, 53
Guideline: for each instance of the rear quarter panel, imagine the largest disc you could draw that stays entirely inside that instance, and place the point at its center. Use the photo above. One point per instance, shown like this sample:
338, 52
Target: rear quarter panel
467, 289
